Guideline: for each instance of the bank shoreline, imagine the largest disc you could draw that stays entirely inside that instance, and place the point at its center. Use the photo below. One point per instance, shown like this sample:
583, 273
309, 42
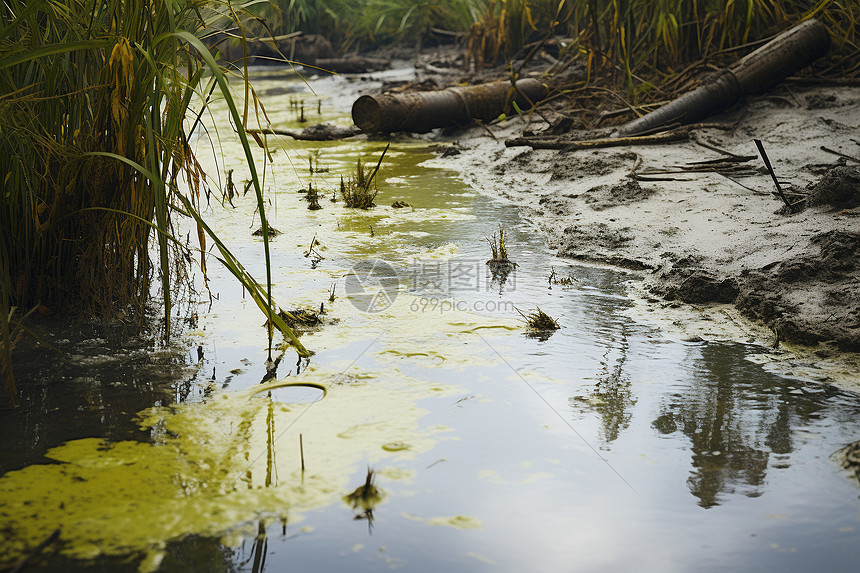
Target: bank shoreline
713, 253
718, 254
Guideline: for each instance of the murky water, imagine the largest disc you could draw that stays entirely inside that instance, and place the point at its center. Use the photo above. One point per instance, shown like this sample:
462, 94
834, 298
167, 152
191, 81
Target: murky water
601, 447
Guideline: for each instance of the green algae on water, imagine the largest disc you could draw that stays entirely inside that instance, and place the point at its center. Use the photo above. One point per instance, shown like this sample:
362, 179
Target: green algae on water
212, 468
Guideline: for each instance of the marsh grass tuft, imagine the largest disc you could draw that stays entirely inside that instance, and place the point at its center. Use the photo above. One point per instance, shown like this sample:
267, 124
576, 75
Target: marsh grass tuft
539, 321
499, 250
360, 190
554, 279
300, 317
314, 163
365, 497
313, 197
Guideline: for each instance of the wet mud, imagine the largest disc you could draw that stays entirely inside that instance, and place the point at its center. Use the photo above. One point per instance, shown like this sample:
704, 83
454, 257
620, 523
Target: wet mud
702, 238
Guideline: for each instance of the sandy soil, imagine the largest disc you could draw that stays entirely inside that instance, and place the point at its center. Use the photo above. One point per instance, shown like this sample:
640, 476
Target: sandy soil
703, 238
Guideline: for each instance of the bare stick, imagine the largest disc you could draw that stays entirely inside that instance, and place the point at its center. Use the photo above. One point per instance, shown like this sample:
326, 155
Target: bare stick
302, 452
36, 550
834, 152
378, 164
566, 145
761, 150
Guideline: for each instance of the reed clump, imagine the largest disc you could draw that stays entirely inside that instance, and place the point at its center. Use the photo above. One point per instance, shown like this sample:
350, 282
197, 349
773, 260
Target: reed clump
365, 497
312, 196
636, 42
499, 259
360, 190
539, 321
96, 95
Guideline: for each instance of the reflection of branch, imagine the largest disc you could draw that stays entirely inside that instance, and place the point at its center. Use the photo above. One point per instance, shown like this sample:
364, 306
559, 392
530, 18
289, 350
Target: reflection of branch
259, 549
612, 395
724, 432
614, 391
36, 550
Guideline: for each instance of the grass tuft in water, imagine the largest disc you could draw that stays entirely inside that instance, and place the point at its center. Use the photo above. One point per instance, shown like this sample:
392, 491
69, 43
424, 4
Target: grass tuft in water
554, 279
365, 497
538, 320
361, 189
499, 259
313, 197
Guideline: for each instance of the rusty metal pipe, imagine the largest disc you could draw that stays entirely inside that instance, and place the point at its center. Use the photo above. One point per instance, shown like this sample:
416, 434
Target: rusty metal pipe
459, 106
759, 71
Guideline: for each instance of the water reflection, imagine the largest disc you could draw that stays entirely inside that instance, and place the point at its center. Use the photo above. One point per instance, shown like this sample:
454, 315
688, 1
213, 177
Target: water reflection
514, 489
93, 390
612, 397
736, 419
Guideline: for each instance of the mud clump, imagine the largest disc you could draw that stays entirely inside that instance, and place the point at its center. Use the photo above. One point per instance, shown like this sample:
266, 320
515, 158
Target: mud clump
578, 238
558, 204
807, 299
810, 298
697, 286
820, 101
624, 193
839, 188
575, 167
597, 242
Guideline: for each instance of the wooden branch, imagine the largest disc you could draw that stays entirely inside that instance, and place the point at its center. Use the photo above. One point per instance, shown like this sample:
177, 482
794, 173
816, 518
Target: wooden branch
839, 154
567, 145
321, 132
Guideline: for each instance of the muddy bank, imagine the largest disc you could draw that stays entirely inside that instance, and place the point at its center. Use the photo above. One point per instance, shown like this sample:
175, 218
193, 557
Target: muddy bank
701, 235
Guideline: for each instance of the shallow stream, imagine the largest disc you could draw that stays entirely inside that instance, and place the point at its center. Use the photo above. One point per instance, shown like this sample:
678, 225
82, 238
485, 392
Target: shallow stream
602, 446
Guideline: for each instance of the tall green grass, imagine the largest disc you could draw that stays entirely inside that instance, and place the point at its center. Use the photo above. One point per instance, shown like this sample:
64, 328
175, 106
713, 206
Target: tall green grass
95, 110
651, 39
645, 42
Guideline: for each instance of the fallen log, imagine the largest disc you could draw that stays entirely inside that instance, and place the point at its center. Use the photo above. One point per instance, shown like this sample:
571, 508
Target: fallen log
459, 106
351, 65
564, 144
319, 132
792, 50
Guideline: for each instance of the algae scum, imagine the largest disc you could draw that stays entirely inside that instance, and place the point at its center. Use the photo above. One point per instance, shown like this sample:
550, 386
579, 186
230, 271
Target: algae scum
602, 445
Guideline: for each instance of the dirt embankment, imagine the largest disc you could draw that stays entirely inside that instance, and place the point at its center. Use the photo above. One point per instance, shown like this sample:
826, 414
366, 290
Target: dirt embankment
698, 220
703, 233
